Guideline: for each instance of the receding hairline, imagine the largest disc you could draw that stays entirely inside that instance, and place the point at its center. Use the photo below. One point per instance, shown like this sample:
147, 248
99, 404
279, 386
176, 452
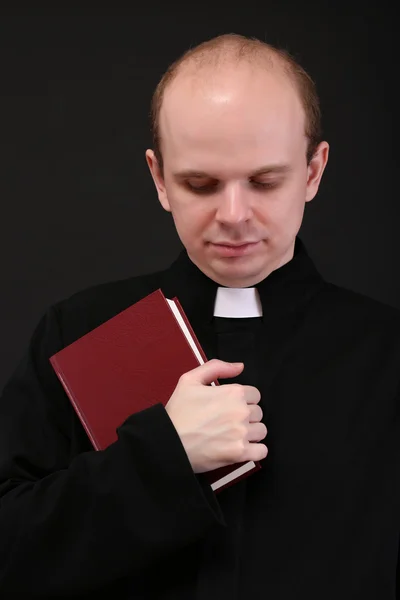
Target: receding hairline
226, 51
232, 49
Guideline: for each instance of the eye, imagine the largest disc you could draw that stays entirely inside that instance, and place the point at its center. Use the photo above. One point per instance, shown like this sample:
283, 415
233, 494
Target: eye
263, 185
213, 186
198, 188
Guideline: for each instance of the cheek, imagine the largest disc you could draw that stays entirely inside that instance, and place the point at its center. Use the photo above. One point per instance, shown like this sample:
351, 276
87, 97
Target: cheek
283, 210
291, 200
192, 212
191, 218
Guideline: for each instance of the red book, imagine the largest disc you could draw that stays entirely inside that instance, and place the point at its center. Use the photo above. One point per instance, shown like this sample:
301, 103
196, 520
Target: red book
129, 363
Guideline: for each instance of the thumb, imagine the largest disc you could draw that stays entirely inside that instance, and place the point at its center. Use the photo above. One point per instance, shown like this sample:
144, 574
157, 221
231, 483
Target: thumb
215, 369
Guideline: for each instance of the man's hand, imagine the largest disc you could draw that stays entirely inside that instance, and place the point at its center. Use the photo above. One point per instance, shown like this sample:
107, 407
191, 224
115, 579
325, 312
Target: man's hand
218, 425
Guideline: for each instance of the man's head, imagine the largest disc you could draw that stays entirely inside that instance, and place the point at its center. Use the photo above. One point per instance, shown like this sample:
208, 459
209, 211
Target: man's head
237, 154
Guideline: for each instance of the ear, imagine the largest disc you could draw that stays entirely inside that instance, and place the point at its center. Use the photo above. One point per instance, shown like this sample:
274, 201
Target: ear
158, 179
315, 169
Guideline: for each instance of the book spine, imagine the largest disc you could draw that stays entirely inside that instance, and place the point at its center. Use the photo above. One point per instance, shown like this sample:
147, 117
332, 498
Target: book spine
191, 331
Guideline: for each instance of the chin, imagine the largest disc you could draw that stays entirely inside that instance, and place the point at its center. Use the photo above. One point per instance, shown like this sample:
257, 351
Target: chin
248, 271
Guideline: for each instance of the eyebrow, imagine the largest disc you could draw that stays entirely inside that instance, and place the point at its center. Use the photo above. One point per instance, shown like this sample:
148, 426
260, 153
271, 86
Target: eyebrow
265, 170
278, 168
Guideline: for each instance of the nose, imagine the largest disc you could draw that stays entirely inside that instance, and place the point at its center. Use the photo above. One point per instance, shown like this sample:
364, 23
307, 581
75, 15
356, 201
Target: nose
233, 205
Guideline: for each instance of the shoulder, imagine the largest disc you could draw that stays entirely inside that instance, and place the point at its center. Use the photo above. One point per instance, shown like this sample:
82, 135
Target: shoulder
88, 308
347, 308
347, 299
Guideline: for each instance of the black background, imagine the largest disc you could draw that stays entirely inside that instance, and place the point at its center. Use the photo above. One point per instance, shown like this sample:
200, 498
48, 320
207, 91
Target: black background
78, 206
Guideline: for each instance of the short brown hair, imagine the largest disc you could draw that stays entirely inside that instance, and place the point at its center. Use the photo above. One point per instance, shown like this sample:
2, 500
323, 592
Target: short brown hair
241, 47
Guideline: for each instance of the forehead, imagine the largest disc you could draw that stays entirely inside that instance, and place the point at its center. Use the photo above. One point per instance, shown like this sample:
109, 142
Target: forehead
245, 114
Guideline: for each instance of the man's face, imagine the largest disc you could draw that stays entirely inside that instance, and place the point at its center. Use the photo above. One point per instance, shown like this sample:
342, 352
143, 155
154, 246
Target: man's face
235, 174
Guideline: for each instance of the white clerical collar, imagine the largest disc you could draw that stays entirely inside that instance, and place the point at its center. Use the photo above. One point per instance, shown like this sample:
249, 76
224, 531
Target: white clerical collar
237, 303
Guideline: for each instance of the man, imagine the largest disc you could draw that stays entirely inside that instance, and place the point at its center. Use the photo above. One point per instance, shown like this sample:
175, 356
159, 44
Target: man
237, 154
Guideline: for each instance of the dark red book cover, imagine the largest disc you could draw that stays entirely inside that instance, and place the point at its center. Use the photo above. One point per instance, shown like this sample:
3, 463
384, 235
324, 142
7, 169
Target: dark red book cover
129, 363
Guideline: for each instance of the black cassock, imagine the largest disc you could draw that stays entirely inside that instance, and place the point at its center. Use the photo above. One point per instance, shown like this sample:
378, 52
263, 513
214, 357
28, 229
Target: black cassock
320, 520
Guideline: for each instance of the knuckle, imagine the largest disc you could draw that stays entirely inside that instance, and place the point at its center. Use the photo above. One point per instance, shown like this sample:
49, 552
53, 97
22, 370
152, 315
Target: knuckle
184, 378
235, 387
246, 412
238, 392
238, 451
242, 413
241, 432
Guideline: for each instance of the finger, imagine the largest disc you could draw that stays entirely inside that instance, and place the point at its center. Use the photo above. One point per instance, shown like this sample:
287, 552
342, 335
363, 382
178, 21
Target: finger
251, 394
256, 432
255, 452
255, 413
212, 370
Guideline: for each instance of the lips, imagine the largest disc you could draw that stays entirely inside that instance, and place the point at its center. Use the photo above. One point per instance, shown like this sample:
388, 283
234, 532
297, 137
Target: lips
235, 250
233, 245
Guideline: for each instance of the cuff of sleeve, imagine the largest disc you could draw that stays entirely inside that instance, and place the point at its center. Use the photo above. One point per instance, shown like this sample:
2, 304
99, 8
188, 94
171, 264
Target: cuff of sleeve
161, 461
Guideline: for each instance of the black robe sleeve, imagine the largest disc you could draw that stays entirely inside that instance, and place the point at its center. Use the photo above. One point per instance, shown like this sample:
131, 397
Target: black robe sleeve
74, 520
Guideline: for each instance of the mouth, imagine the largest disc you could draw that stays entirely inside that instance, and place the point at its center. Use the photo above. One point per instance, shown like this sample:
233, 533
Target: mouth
232, 250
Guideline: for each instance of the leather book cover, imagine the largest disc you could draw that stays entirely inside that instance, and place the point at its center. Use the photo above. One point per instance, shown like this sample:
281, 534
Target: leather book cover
129, 363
